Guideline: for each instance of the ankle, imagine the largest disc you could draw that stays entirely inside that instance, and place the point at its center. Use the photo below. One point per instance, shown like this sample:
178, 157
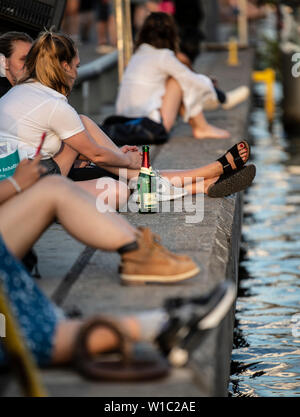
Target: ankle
128, 247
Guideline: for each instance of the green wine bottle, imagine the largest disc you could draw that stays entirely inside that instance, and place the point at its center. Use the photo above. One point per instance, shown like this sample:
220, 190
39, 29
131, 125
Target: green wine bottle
147, 185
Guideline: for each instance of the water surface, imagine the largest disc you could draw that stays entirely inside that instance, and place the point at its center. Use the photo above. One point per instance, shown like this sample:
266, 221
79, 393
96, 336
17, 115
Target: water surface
266, 355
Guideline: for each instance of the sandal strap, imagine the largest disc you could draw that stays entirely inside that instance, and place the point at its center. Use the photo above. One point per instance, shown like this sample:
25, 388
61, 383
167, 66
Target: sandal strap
239, 163
81, 353
236, 156
227, 168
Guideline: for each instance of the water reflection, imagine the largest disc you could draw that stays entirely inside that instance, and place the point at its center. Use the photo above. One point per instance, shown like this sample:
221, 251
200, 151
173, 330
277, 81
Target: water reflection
266, 354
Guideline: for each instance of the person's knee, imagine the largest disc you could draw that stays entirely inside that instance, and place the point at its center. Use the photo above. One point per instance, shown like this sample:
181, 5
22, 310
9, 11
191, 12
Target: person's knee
113, 193
53, 184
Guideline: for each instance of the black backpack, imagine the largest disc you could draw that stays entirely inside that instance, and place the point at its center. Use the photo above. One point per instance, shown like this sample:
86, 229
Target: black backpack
134, 131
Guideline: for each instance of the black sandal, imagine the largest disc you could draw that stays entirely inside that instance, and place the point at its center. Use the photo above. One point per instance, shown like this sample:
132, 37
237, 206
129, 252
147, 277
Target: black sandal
235, 181
239, 163
132, 361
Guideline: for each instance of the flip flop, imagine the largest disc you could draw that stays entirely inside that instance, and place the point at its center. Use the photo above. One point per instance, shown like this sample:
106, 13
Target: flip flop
132, 362
237, 180
239, 163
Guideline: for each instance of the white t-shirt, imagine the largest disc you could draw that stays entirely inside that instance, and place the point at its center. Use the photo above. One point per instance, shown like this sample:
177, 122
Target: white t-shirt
30, 109
143, 84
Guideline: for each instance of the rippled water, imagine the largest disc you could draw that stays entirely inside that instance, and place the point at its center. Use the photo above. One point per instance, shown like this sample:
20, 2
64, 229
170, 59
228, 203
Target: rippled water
266, 357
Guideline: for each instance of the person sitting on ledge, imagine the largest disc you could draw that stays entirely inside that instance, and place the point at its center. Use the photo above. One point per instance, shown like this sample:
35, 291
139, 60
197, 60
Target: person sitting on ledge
51, 70
158, 82
54, 339
14, 47
28, 205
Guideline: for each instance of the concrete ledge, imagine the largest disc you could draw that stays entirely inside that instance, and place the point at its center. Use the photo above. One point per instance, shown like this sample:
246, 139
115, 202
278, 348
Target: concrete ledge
213, 243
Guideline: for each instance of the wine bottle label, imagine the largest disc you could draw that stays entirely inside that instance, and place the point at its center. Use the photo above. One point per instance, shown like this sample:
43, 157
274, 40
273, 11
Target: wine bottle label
145, 171
149, 199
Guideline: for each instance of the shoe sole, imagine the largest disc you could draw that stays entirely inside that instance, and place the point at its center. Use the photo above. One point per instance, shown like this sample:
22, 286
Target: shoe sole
238, 181
159, 279
215, 316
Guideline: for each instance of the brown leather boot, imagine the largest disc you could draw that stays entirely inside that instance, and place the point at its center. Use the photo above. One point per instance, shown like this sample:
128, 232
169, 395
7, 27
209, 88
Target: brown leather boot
152, 262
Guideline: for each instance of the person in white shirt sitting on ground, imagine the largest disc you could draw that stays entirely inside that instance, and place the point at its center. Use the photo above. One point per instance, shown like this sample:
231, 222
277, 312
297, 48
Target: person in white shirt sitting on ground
156, 84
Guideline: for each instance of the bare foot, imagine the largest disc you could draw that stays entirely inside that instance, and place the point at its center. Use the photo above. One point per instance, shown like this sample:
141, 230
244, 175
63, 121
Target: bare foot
210, 132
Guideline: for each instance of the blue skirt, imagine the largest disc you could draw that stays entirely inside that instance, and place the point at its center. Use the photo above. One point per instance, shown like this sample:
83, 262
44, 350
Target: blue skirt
36, 315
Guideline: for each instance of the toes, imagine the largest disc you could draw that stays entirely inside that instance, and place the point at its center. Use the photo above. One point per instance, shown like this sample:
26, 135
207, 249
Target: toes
243, 151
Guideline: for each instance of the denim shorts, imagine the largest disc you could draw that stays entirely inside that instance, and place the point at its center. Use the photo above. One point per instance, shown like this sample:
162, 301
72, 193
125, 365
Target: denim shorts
35, 314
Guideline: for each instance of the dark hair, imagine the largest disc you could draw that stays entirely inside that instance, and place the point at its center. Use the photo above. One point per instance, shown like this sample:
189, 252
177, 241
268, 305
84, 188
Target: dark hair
160, 31
7, 41
43, 62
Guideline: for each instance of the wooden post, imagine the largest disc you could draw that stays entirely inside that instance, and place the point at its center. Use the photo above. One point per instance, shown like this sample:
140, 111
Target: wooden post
128, 33
243, 23
120, 32
124, 34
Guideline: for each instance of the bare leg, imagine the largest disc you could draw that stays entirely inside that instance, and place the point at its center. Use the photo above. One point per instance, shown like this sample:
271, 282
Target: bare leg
102, 32
65, 158
101, 339
172, 103
103, 140
71, 19
117, 192
208, 171
114, 193
26, 216
111, 27
203, 130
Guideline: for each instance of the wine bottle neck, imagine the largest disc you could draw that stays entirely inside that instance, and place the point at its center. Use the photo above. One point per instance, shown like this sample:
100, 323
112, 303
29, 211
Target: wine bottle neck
146, 160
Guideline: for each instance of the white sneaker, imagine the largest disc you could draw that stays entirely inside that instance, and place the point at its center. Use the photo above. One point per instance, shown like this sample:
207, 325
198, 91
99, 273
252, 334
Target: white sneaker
165, 191
235, 97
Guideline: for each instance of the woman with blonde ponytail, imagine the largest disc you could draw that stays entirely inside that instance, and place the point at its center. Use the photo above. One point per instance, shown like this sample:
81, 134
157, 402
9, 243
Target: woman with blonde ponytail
38, 104
44, 63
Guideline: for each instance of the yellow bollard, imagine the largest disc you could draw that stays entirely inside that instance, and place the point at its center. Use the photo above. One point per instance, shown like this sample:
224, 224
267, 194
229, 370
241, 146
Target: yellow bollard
233, 59
268, 77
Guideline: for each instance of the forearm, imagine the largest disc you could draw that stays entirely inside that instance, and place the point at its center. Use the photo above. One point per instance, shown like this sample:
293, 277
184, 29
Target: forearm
104, 155
7, 190
107, 157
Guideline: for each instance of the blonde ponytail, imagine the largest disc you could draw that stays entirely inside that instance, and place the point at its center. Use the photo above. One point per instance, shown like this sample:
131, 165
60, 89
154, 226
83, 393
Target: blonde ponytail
44, 61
